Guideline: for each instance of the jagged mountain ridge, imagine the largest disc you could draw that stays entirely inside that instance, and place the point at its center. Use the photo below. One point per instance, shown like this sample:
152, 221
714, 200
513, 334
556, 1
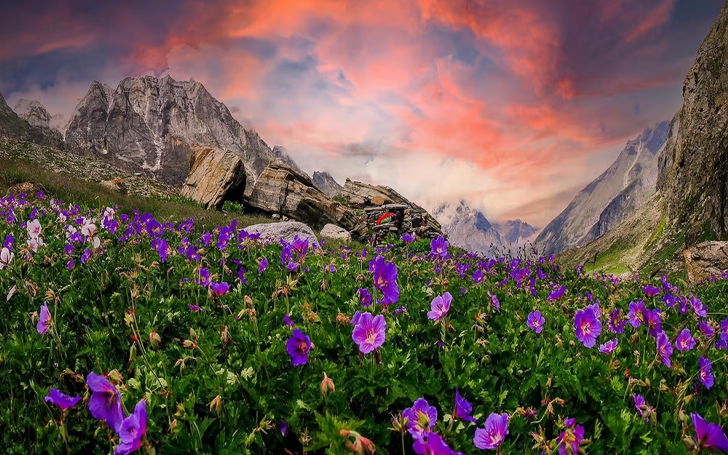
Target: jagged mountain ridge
610, 198
469, 229
326, 183
152, 125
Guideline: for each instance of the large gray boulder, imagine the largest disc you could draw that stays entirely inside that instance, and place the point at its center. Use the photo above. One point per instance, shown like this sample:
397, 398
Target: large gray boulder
215, 176
281, 189
286, 230
705, 260
334, 232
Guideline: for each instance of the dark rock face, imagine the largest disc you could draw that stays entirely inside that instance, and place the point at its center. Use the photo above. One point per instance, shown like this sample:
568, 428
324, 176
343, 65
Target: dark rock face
693, 177
612, 197
284, 191
326, 183
215, 177
706, 260
151, 125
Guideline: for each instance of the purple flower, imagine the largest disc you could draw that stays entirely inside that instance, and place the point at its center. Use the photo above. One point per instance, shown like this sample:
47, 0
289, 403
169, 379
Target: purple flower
203, 277
535, 321
463, 409
653, 320
355, 318
292, 266
644, 409
385, 279
105, 401
557, 293
494, 300
133, 430
288, 321
588, 327
571, 436
709, 435
699, 308
664, 348
615, 323
439, 306
438, 247
422, 418
45, 320
707, 329
636, 313
651, 291
194, 308
685, 341
219, 289
609, 346
263, 265
432, 444
61, 400
284, 427
478, 276
408, 238
705, 375
365, 298
369, 333
298, 347
493, 433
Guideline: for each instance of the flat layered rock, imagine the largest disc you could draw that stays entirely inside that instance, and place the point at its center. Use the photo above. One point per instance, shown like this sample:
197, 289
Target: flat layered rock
286, 230
215, 176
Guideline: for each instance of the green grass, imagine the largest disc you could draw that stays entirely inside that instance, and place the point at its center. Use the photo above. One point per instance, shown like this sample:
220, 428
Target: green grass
69, 188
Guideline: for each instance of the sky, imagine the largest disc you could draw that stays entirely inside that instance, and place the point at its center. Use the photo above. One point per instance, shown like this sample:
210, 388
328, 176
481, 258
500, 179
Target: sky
512, 105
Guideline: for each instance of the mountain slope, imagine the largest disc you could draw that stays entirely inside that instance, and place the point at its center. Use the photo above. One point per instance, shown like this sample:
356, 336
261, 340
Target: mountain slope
469, 229
611, 197
150, 125
326, 183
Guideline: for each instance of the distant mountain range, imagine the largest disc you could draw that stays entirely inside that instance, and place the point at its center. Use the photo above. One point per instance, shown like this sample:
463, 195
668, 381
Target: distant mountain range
469, 229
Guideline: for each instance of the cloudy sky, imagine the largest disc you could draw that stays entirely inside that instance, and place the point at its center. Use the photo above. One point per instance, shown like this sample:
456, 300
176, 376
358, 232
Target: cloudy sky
513, 105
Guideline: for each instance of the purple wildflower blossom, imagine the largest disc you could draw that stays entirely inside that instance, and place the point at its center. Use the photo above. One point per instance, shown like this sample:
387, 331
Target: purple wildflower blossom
355, 318
61, 400
535, 321
478, 276
219, 289
105, 401
133, 430
709, 435
636, 313
588, 327
439, 306
284, 427
571, 436
203, 277
298, 347
609, 346
494, 300
685, 341
288, 321
644, 409
705, 374
557, 293
408, 238
438, 247
422, 418
494, 432
45, 319
432, 444
385, 279
262, 266
463, 409
370, 332
365, 298
194, 308
653, 320
699, 308
651, 291
615, 323
707, 329
664, 348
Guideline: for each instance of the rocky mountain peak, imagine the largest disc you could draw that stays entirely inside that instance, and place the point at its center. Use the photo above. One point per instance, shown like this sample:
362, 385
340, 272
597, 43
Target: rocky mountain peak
326, 183
33, 112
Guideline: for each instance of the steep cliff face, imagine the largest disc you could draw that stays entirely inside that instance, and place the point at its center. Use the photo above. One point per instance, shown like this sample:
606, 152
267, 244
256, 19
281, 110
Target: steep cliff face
152, 125
470, 230
693, 177
610, 198
15, 127
326, 183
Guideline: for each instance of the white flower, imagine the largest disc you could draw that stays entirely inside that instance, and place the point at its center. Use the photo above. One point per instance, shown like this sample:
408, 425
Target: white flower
88, 229
34, 243
6, 257
33, 229
96, 242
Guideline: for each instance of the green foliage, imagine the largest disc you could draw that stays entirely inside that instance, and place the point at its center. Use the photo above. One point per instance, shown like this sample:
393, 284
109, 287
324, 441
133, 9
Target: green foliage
219, 381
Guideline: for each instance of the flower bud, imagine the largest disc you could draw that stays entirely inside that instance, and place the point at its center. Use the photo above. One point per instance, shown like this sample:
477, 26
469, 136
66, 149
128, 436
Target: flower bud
216, 404
154, 339
327, 385
172, 426
188, 344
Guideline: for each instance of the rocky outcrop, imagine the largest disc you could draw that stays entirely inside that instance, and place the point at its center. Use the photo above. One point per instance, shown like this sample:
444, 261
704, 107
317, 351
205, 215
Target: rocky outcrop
282, 190
693, 175
470, 230
612, 197
118, 185
326, 183
284, 230
332, 231
215, 176
706, 260
153, 125
281, 154
14, 127
37, 116
379, 200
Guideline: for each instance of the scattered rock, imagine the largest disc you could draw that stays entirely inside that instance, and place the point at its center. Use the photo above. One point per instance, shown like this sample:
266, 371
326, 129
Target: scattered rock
332, 231
378, 200
215, 176
286, 230
116, 184
705, 260
276, 216
285, 218
281, 189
